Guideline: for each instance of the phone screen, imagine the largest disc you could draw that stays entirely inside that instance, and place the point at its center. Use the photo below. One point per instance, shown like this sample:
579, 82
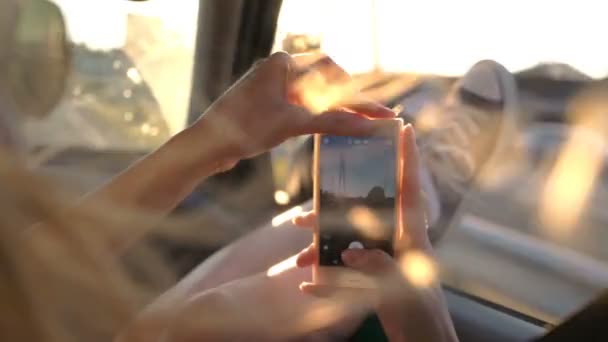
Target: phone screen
357, 195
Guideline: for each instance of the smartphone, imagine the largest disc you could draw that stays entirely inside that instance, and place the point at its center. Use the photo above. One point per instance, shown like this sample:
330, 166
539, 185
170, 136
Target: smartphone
355, 198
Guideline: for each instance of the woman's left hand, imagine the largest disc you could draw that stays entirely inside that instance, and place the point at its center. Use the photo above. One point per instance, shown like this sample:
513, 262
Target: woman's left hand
255, 114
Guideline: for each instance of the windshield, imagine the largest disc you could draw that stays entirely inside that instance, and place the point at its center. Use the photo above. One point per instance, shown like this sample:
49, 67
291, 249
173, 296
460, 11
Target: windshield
417, 36
129, 87
530, 235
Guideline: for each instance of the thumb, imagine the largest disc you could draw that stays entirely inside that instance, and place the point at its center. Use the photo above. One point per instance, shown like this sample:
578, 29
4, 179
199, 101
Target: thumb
341, 123
370, 261
412, 229
307, 257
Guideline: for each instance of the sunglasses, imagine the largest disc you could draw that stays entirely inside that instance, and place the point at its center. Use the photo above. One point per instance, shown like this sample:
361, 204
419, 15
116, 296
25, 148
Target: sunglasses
39, 61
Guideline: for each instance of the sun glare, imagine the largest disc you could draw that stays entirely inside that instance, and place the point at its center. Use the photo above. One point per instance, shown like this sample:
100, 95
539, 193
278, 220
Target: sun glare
103, 24
281, 197
434, 36
319, 94
447, 37
286, 216
366, 222
282, 266
572, 180
418, 269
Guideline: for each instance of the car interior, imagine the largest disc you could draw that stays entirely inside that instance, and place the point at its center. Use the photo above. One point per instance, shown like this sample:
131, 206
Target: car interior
505, 278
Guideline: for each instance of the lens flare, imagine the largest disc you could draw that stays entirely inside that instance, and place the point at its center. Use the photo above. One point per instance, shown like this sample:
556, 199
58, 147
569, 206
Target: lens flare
366, 222
573, 177
316, 92
282, 266
134, 75
419, 269
571, 181
281, 197
286, 216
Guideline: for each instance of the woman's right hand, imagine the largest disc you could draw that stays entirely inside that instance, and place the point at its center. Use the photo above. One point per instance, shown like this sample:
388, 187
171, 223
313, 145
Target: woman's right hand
412, 225
408, 297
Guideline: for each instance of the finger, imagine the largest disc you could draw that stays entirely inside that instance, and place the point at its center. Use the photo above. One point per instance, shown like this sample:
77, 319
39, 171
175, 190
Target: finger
306, 220
258, 63
371, 261
274, 72
413, 218
307, 66
339, 123
307, 257
313, 77
316, 62
370, 109
410, 178
303, 60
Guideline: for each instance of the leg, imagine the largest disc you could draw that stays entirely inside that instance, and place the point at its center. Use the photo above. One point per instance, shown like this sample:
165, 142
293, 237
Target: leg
239, 273
268, 245
254, 253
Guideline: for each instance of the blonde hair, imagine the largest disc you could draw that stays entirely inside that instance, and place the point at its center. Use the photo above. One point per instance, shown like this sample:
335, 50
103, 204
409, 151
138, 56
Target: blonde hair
61, 279
60, 276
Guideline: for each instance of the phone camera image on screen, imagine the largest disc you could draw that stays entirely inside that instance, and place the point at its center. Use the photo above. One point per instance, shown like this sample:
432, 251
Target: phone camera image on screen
357, 194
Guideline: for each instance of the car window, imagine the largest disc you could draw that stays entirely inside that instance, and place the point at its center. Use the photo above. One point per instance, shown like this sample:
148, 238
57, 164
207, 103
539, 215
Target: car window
129, 87
417, 37
536, 238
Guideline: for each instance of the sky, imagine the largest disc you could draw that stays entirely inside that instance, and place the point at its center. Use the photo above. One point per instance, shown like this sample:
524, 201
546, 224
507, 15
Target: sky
448, 36
431, 36
367, 164
102, 24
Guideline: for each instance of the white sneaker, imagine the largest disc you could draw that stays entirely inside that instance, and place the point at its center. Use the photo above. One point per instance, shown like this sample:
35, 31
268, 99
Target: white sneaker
458, 139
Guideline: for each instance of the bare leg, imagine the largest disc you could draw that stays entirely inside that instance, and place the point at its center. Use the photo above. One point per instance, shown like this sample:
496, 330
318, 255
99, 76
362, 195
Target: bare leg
251, 254
239, 272
266, 246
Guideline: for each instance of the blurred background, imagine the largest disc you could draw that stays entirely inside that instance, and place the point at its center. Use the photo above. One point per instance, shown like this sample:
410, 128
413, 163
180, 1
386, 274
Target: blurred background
534, 240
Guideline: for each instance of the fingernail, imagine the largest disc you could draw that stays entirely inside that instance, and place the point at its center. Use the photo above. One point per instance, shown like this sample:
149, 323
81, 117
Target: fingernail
304, 250
350, 255
409, 131
299, 257
388, 111
304, 286
385, 111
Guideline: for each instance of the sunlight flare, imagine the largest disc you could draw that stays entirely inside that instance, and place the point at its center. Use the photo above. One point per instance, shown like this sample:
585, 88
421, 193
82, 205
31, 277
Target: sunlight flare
286, 216
281, 197
419, 269
282, 266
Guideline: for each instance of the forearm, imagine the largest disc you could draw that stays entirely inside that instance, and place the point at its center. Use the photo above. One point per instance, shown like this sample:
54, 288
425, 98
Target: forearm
157, 183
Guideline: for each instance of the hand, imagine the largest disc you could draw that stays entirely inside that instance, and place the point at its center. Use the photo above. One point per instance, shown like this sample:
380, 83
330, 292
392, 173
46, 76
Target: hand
409, 303
256, 114
412, 225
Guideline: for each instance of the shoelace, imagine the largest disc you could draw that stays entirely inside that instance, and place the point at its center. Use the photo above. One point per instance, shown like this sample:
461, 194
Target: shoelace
447, 149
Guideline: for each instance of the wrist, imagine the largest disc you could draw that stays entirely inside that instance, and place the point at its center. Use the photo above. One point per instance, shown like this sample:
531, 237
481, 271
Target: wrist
202, 151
